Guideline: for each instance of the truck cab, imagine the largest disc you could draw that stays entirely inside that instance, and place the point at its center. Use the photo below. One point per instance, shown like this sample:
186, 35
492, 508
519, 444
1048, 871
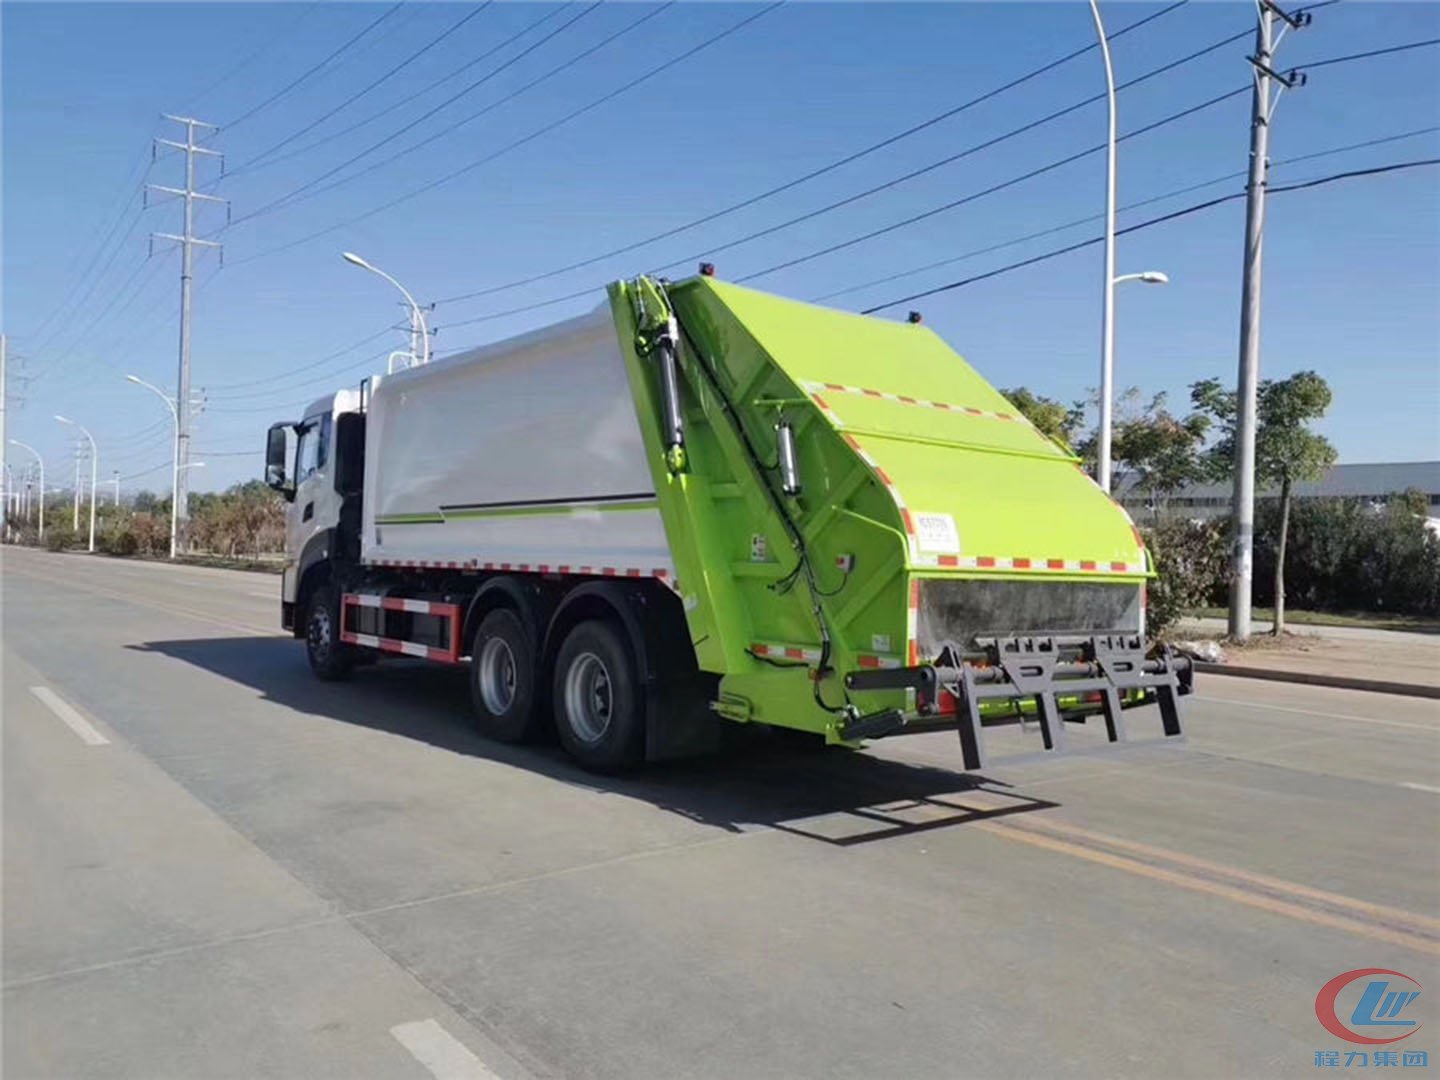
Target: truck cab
316, 464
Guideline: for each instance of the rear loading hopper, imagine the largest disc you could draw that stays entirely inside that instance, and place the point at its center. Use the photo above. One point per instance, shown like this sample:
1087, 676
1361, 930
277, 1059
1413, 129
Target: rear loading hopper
868, 538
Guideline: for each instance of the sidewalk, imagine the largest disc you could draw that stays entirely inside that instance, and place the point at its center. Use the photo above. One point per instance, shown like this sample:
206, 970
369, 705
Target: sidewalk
1386, 660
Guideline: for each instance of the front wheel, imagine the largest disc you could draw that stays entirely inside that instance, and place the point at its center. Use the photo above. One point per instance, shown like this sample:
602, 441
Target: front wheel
599, 710
330, 659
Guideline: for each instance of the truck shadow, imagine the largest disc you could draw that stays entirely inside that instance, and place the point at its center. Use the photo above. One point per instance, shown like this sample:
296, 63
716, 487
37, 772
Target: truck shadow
832, 795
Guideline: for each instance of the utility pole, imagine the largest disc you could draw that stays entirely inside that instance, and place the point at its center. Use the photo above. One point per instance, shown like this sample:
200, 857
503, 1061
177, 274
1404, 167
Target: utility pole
4, 390
1261, 111
117, 488
188, 242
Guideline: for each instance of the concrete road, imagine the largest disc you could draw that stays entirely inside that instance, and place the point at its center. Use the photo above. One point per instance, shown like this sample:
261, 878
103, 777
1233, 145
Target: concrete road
216, 866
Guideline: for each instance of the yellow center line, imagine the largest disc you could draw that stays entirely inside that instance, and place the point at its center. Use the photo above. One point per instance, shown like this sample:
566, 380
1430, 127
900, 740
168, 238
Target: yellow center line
1275, 906
1423, 924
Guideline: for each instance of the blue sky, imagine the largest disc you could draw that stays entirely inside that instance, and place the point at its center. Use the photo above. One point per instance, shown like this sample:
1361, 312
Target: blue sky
1351, 269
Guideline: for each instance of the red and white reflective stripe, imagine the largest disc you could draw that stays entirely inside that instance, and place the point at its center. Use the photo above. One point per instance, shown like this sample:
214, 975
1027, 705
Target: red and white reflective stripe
870, 660
894, 492
1059, 566
408, 648
912, 621
810, 655
785, 652
813, 388
659, 573
395, 603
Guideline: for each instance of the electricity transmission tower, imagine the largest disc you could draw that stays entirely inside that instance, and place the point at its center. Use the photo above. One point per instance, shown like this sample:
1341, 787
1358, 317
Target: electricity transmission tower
188, 241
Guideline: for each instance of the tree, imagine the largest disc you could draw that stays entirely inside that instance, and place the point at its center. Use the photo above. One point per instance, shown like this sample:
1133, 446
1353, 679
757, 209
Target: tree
1286, 450
1053, 419
1152, 450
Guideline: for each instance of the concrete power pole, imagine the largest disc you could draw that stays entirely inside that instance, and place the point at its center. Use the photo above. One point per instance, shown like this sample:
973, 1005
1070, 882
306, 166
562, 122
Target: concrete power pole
1262, 109
4, 446
188, 242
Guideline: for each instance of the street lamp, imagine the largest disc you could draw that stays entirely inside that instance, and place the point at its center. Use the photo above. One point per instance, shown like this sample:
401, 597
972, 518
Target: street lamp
174, 459
419, 335
94, 465
26, 446
1107, 321
1107, 391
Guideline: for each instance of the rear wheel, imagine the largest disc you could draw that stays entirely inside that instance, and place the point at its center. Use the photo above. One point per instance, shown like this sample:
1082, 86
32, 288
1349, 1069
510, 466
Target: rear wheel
599, 712
330, 659
502, 678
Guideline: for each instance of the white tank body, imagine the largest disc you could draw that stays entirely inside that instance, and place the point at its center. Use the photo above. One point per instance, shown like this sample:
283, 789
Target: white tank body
526, 453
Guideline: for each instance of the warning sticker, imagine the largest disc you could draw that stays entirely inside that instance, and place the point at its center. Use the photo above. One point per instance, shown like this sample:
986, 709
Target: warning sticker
936, 533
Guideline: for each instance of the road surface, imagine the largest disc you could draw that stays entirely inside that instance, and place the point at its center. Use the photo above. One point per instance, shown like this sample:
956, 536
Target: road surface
216, 866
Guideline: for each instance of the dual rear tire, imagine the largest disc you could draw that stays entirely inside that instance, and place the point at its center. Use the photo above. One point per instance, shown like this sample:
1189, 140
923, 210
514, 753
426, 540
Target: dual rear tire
595, 696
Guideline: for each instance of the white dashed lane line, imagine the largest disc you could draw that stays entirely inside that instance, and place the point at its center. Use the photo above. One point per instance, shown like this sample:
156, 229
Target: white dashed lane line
66, 712
445, 1056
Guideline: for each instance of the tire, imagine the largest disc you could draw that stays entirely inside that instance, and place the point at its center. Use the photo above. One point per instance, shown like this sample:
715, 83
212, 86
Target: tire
329, 658
599, 708
502, 678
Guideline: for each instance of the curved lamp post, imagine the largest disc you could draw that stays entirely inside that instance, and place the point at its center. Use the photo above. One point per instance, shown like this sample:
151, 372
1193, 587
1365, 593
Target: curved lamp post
419, 335
94, 466
174, 459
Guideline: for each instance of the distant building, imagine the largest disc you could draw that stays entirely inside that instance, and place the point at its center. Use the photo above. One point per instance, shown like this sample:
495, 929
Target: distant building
1376, 482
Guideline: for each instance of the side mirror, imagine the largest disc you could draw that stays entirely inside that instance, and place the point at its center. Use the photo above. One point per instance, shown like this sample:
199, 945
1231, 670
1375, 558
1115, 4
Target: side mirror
276, 452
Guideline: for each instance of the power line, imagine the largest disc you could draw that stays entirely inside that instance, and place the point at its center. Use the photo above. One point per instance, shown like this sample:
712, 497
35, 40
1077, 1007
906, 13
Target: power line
1124, 209
1003, 185
1172, 216
811, 175
305, 367
1389, 50
313, 70
413, 147
447, 177
133, 177
292, 196
402, 65
268, 44
967, 152
288, 387
409, 97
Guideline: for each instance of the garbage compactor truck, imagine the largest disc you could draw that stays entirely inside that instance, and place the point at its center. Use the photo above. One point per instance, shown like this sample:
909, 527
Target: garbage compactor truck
703, 504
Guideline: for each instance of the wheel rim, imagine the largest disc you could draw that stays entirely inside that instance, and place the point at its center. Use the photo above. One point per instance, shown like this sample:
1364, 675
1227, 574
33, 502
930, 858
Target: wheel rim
589, 698
320, 632
497, 676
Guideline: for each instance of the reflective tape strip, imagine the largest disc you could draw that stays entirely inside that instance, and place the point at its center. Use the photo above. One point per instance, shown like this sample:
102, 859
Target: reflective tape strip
912, 620
813, 389
889, 485
407, 648
659, 573
785, 652
1020, 562
868, 660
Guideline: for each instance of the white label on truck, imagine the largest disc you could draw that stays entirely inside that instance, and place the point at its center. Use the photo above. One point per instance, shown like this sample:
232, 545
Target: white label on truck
937, 533
880, 642
759, 549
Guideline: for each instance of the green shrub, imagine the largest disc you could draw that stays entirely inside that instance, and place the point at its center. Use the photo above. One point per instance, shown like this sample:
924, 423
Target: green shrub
119, 541
1190, 559
1350, 555
62, 538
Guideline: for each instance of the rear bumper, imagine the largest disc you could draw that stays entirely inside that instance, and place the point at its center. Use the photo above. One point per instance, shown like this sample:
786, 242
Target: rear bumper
1055, 678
